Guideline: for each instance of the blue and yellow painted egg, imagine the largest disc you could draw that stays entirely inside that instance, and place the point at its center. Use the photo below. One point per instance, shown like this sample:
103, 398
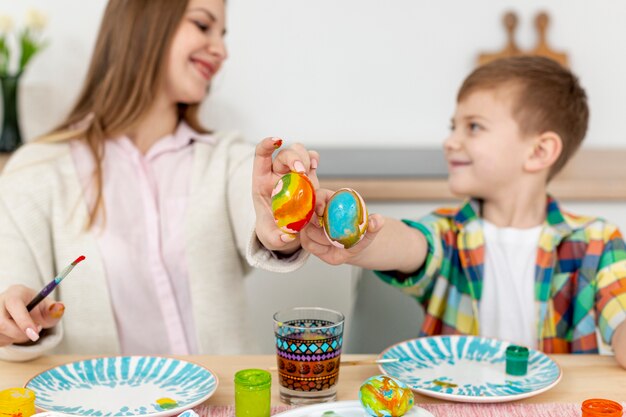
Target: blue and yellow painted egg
383, 396
345, 218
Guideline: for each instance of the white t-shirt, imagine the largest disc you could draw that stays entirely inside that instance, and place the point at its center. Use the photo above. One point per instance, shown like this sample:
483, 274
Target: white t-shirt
507, 305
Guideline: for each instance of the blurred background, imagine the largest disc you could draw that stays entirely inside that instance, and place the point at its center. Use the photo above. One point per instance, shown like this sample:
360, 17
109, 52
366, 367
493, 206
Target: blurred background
347, 72
352, 74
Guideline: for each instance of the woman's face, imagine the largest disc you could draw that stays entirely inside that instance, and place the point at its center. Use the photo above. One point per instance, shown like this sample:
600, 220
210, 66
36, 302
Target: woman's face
197, 51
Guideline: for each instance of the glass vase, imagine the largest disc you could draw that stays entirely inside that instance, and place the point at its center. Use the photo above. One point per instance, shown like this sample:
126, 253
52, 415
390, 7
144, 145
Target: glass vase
10, 137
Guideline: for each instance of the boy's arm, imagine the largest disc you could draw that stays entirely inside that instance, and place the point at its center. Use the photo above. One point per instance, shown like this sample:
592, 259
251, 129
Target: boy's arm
619, 344
396, 246
389, 244
611, 292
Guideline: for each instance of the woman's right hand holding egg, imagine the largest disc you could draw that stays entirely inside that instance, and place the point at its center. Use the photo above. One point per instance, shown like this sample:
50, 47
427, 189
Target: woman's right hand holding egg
268, 173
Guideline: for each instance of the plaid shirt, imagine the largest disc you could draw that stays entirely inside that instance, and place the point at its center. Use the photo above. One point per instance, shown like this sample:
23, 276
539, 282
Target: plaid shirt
580, 277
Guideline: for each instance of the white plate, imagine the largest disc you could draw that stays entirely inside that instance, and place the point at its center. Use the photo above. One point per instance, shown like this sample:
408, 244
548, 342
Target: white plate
123, 386
467, 369
342, 409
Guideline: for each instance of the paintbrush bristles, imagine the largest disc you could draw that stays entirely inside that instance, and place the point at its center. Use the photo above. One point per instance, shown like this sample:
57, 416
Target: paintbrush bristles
77, 260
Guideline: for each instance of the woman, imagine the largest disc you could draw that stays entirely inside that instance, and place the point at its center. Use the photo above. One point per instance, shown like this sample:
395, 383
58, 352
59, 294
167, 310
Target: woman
161, 208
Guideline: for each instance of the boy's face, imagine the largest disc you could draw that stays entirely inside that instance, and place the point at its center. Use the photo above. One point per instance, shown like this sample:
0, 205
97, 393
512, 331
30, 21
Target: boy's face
486, 150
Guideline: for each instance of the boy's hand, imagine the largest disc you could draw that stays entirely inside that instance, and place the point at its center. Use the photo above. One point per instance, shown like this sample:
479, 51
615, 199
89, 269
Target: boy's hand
619, 344
17, 325
314, 240
266, 173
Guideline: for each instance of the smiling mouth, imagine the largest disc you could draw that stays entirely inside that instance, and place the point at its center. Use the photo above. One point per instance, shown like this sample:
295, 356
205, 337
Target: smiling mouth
205, 69
455, 164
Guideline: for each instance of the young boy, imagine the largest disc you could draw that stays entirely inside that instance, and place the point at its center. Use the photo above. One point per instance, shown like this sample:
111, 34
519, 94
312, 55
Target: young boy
508, 263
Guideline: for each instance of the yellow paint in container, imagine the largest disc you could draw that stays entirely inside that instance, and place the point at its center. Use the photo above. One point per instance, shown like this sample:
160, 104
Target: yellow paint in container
17, 402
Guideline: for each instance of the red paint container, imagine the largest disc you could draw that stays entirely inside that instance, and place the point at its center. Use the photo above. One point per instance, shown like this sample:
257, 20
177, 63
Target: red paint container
598, 407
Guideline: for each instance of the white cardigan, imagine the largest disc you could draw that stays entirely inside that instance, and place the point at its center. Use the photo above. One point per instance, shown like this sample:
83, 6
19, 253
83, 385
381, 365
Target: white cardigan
42, 228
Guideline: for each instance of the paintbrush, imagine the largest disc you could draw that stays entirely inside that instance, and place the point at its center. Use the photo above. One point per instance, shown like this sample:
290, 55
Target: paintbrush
361, 362
370, 361
45, 291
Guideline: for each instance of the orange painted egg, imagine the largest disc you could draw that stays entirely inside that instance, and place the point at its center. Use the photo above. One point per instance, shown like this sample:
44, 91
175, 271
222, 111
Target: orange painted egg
345, 218
293, 202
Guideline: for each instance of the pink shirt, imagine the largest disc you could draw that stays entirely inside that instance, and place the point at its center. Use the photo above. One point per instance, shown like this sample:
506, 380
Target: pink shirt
142, 240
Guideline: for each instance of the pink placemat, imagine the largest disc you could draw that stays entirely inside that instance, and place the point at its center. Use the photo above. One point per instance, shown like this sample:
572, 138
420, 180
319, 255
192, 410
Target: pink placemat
450, 410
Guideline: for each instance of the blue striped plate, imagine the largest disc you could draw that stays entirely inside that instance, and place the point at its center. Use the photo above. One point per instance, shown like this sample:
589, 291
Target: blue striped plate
123, 386
467, 369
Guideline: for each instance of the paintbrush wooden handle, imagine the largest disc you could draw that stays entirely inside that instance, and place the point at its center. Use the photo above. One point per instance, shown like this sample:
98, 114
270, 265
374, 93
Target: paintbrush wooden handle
357, 363
354, 363
369, 362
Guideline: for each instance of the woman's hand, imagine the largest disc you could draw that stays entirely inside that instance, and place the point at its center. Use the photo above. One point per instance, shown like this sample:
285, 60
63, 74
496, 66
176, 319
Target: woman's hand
17, 325
314, 239
266, 173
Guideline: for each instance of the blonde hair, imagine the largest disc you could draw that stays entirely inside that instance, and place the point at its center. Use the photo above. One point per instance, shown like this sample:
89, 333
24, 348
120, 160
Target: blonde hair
126, 70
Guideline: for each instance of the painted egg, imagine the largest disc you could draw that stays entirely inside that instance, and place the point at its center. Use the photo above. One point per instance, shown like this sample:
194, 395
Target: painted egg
381, 396
293, 202
345, 218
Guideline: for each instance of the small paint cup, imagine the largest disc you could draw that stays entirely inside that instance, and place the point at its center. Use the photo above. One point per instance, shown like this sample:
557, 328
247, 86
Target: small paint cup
252, 393
516, 360
599, 407
17, 402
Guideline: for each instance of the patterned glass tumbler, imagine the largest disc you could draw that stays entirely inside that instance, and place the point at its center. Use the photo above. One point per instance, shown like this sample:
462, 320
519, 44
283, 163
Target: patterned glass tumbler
308, 350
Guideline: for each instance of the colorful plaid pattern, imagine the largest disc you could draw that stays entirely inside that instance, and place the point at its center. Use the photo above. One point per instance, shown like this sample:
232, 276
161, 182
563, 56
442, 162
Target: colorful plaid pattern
580, 277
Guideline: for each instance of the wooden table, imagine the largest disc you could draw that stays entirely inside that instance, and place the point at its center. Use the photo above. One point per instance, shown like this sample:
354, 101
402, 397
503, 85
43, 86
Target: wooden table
584, 376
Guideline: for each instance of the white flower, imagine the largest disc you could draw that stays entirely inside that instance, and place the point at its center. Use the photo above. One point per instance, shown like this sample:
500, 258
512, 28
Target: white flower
36, 20
6, 24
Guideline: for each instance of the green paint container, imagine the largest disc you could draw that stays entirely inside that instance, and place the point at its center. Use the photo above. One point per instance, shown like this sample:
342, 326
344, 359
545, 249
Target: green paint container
516, 360
253, 393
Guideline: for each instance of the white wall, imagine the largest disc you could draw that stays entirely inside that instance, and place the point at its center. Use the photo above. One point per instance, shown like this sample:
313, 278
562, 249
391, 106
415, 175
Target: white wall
349, 72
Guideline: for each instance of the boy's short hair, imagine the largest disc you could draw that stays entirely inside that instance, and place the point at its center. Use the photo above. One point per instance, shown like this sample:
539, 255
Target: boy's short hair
549, 98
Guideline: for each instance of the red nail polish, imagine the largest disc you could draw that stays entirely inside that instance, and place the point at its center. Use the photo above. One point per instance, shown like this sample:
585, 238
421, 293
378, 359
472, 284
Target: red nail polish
278, 143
